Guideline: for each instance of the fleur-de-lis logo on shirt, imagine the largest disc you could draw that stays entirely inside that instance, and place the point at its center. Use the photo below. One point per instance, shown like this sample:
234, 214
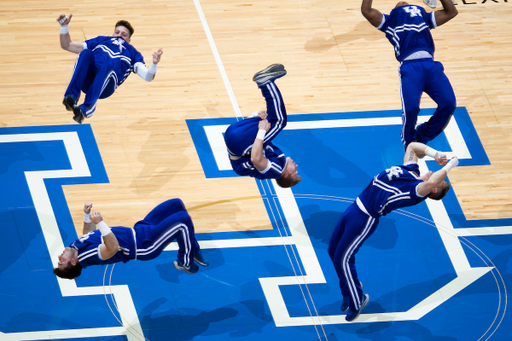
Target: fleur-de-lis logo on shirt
394, 171
119, 42
413, 11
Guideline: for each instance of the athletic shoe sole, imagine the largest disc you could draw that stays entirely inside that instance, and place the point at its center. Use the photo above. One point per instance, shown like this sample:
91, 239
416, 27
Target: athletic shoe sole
269, 74
191, 270
79, 116
352, 316
69, 103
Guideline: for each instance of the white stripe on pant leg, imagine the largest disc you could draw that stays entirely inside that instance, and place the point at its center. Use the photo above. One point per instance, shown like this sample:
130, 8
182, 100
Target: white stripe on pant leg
404, 117
188, 247
164, 237
345, 259
280, 117
272, 131
112, 75
170, 234
277, 100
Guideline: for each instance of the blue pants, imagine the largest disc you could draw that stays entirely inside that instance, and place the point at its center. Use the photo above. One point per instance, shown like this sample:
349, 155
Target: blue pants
240, 136
352, 230
418, 76
97, 80
165, 223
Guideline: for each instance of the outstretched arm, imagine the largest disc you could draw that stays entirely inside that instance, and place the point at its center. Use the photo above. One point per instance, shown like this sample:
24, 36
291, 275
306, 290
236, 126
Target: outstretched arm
65, 38
448, 12
110, 244
371, 14
257, 158
149, 74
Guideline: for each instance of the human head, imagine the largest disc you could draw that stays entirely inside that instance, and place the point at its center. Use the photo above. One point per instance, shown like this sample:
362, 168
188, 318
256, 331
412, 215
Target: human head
68, 266
438, 192
290, 177
124, 30
401, 3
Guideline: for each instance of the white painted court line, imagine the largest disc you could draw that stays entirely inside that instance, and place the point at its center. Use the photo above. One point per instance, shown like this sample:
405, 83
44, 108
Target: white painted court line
217, 59
214, 134
465, 273
53, 238
233, 243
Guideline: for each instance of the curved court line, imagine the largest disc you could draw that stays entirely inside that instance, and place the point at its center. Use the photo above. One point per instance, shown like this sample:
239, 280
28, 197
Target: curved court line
129, 330
456, 235
292, 215
289, 238
396, 316
271, 289
480, 253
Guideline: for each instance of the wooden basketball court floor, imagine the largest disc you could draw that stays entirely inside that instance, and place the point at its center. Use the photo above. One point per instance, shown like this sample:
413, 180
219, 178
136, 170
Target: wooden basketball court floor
140, 149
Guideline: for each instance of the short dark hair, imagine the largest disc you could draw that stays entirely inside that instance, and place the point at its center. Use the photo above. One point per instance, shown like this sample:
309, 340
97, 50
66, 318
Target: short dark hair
69, 272
440, 194
125, 24
286, 182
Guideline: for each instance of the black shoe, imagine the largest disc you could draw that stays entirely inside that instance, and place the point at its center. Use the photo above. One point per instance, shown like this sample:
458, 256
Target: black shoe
79, 115
69, 102
352, 315
199, 259
270, 74
344, 304
192, 269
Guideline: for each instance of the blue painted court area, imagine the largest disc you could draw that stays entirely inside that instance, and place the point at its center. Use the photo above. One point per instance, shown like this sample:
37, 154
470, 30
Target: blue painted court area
425, 282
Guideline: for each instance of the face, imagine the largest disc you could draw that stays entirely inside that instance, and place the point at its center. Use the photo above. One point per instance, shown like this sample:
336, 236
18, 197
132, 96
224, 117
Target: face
123, 32
67, 256
401, 3
291, 168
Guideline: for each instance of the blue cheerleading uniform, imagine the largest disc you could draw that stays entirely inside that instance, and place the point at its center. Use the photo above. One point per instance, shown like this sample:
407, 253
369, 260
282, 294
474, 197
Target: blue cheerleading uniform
100, 68
149, 237
408, 29
240, 136
394, 188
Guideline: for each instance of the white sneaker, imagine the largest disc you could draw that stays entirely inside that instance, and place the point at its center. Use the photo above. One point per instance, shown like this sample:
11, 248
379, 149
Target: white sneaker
432, 3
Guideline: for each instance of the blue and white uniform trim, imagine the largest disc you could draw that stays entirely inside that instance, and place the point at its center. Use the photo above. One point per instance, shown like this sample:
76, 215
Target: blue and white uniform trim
165, 238
239, 138
350, 251
272, 133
